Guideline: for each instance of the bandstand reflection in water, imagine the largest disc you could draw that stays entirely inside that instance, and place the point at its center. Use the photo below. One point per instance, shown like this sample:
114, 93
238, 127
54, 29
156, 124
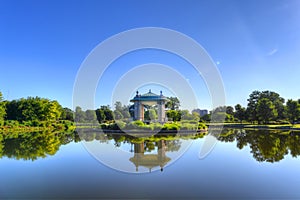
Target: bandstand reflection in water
152, 160
139, 152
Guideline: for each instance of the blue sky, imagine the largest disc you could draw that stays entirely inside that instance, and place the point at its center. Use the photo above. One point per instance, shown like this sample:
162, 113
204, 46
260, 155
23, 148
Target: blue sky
255, 44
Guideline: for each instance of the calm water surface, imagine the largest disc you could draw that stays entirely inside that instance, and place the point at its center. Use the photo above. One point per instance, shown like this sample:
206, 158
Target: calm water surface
244, 164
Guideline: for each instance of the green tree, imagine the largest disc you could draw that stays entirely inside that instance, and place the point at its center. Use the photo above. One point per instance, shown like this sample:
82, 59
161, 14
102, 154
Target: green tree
104, 113
90, 115
206, 117
125, 112
274, 97
109, 115
123, 109
229, 114
196, 116
219, 114
12, 110
186, 115
173, 103
67, 114
53, 110
33, 109
79, 114
2, 109
229, 110
173, 115
277, 101
100, 115
118, 115
240, 113
252, 103
118, 106
152, 114
266, 110
293, 110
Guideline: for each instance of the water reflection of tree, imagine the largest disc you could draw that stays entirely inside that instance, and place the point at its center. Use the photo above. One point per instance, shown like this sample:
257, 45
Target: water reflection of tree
293, 143
266, 145
1, 145
31, 146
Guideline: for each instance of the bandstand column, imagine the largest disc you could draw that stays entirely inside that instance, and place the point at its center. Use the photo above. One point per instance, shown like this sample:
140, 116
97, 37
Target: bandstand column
161, 111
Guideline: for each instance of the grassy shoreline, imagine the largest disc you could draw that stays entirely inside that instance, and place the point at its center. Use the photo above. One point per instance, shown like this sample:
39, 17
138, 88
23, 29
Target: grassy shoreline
15, 127
291, 127
63, 126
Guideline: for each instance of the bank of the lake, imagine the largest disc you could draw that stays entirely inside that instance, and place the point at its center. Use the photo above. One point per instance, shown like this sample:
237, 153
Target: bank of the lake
13, 126
295, 127
69, 126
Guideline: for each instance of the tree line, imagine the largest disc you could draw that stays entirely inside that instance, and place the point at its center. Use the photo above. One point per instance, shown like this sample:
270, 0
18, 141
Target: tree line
33, 109
266, 145
263, 107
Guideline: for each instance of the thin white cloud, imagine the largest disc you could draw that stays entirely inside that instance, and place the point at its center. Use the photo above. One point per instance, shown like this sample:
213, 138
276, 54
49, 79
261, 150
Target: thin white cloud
272, 52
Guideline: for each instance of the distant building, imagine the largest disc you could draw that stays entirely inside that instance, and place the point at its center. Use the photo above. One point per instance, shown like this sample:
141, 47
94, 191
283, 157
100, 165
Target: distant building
201, 112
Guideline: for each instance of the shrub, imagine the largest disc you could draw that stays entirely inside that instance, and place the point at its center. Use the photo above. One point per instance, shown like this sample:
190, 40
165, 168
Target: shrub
156, 126
46, 124
35, 123
67, 124
11, 123
188, 126
121, 124
104, 126
201, 126
171, 126
113, 126
138, 123
135, 125
283, 122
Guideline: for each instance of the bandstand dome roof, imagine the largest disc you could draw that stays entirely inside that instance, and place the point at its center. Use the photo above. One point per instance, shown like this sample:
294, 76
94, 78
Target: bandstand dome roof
150, 96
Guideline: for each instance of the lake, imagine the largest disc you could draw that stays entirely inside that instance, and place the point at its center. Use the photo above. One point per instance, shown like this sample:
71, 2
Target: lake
244, 164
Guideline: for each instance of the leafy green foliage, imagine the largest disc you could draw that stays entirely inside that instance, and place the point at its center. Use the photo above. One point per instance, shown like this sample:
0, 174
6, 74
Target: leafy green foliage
33, 108
79, 114
90, 116
293, 110
100, 115
273, 97
202, 126
108, 113
218, 114
266, 110
2, 109
266, 145
67, 114
240, 113
206, 118
173, 103
186, 115
118, 115
173, 115
121, 112
171, 126
152, 114
31, 146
